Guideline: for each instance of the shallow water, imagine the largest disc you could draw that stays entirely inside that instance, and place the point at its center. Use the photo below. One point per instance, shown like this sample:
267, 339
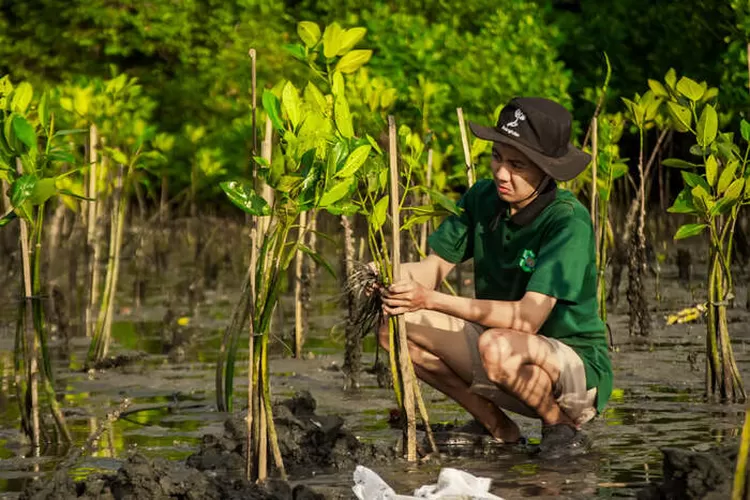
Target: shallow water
658, 402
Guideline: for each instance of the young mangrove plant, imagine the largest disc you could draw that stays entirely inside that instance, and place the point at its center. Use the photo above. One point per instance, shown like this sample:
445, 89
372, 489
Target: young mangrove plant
30, 160
313, 166
118, 112
715, 189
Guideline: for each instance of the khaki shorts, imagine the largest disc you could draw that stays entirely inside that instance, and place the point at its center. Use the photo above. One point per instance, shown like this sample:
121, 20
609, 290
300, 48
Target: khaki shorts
569, 390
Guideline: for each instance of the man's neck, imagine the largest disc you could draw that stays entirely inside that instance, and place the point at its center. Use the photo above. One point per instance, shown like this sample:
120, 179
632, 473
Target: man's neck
516, 207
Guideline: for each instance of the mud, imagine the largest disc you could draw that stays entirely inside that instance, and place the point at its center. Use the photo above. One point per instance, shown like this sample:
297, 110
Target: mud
695, 475
308, 442
158, 479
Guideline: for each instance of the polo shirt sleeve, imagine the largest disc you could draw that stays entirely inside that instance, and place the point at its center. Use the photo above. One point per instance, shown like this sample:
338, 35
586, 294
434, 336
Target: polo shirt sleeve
453, 240
564, 259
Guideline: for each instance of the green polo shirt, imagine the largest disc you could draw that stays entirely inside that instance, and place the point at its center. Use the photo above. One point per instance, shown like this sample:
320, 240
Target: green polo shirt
547, 247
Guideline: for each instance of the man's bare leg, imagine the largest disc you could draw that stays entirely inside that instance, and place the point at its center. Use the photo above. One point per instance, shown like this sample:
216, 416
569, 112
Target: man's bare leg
524, 366
430, 368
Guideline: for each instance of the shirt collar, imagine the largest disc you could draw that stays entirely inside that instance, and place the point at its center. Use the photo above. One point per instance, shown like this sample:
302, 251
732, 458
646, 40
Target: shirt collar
527, 214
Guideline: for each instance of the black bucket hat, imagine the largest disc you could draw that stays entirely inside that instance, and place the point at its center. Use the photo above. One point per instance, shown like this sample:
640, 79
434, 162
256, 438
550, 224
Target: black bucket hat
540, 129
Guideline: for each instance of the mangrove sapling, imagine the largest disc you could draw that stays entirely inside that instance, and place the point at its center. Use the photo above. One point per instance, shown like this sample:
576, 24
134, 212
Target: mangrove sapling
643, 112
315, 165
28, 158
714, 197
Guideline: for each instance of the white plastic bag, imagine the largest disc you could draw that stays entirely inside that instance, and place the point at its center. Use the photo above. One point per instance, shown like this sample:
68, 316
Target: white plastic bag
452, 484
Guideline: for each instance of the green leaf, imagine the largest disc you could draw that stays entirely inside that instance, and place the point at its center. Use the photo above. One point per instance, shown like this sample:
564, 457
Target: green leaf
658, 89
68, 192
677, 163
22, 98
445, 202
292, 105
309, 33
683, 204
242, 194
693, 180
415, 221
379, 211
374, 144
735, 189
296, 50
690, 88
331, 40
708, 126
350, 38
343, 117
315, 97
355, 160
688, 230
712, 170
338, 191
43, 110
354, 60
338, 88
702, 199
5, 219
727, 176
288, 183
745, 130
44, 189
317, 258
21, 189
60, 133
681, 116
273, 108
23, 131
117, 155
670, 78
343, 208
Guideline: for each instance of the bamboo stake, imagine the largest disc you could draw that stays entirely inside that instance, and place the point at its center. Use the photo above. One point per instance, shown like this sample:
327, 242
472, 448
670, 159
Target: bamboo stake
299, 333
33, 369
748, 65
404, 360
91, 226
426, 225
262, 439
467, 150
594, 161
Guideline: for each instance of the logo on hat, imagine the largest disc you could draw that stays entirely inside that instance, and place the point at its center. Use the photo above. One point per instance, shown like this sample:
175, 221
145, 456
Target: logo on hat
519, 117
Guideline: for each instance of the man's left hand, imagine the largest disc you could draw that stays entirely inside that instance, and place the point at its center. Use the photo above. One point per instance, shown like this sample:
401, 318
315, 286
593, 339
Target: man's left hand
405, 296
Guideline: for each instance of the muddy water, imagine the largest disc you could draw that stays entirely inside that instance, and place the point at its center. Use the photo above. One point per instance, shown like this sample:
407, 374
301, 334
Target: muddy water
657, 401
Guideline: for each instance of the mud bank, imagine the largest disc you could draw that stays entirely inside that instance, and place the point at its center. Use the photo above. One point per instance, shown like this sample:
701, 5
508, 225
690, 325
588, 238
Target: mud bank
695, 475
309, 443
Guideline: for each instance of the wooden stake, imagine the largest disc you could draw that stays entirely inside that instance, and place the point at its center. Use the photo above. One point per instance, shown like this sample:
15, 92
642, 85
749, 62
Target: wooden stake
91, 210
404, 360
594, 153
299, 333
426, 225
467, 150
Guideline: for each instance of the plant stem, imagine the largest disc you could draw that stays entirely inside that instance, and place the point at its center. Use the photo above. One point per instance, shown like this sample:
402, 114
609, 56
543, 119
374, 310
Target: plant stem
594, 161
740, 474
467, 150
299, 333
426, 226
404, 362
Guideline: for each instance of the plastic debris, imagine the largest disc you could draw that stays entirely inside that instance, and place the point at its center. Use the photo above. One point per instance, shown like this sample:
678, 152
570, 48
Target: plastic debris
452, 484
687, 315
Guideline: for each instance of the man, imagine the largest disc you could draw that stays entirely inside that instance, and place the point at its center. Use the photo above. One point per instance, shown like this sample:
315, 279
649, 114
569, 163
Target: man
531, 342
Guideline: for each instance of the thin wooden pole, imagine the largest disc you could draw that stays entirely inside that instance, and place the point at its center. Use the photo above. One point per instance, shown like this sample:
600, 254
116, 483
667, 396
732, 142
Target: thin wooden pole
91, 209
404, 360
467, 150
426, 225
299, 332
594, 158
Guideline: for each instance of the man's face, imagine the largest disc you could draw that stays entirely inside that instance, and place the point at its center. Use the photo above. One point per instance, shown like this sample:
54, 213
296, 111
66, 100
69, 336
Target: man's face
515, 176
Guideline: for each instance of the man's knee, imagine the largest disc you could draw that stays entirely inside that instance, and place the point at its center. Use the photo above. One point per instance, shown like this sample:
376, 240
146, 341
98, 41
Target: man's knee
496, 352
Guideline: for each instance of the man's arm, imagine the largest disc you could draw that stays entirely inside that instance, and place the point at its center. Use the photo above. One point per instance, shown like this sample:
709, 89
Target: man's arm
525, 315
429, 272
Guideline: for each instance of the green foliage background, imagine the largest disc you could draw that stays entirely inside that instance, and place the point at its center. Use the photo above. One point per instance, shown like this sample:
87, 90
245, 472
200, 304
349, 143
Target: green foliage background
191, 60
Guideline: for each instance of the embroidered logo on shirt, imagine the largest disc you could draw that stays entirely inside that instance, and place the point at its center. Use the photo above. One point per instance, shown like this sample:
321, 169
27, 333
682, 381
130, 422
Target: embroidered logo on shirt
527, 262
